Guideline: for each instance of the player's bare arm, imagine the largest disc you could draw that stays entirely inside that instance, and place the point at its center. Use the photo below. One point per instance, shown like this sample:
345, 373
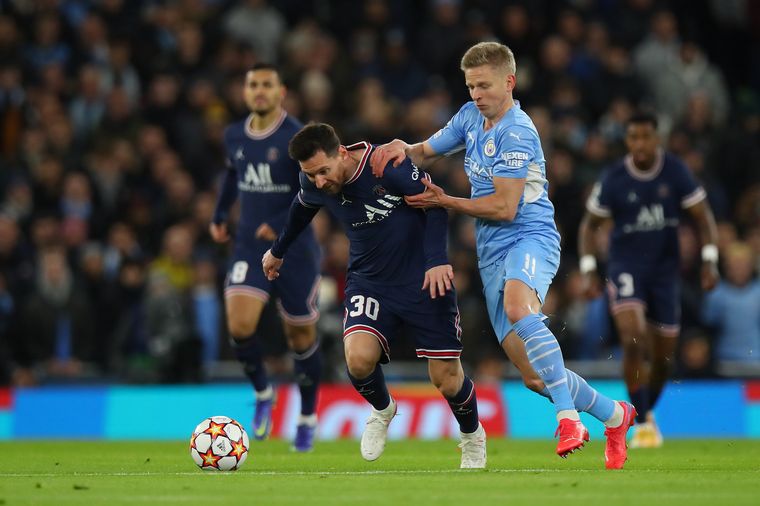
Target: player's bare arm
708, 232
499, 206
590, 224
421, 154
271, 265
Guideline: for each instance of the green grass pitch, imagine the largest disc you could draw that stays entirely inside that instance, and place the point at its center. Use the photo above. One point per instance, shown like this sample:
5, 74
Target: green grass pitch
695, 472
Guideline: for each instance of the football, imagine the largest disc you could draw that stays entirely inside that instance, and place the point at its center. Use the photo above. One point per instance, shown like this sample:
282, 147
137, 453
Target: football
219, 443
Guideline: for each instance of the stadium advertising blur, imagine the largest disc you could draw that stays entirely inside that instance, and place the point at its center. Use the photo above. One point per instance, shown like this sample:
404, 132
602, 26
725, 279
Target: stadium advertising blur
727, 409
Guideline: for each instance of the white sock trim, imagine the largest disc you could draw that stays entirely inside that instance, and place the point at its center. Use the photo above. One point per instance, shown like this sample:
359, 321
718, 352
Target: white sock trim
265, 394
310, 420
568, 413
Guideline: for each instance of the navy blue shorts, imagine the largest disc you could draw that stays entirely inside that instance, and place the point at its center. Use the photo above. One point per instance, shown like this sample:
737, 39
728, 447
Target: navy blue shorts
296, 289
381, 310
656, 289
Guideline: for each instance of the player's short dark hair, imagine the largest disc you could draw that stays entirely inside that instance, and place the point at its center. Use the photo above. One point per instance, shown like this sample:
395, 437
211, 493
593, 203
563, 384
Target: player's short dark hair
640, 117
267, 66
312, 138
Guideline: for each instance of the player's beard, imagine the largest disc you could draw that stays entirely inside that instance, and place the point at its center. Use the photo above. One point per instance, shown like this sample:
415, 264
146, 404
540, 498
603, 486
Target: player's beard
263, 111
332, 188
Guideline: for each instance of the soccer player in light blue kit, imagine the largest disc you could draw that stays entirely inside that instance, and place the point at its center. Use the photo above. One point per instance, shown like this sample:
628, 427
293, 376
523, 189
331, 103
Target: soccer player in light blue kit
518, 244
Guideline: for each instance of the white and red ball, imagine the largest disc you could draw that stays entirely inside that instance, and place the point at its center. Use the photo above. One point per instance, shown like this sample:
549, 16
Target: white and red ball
219, 443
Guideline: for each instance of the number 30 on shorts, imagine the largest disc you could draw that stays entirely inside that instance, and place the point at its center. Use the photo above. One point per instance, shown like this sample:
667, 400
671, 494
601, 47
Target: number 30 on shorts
365, 305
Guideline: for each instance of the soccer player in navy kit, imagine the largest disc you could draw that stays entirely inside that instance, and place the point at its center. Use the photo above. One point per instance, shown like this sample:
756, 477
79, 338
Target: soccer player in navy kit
398, 273
643, 195
265, 179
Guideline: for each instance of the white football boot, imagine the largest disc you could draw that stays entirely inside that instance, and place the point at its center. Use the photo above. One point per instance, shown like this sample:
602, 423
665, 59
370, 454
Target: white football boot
473, 447
376, 432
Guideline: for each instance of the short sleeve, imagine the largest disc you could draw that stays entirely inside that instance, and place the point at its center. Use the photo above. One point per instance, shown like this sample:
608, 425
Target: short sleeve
515, 149
689, 191
598, 202
450, 138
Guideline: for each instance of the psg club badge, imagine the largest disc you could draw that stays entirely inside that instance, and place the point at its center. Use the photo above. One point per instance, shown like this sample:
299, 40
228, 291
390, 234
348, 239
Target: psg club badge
273, 154
379, 190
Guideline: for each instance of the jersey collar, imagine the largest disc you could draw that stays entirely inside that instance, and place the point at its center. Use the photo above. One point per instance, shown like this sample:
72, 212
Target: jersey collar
645, 175
263, 134
365, 156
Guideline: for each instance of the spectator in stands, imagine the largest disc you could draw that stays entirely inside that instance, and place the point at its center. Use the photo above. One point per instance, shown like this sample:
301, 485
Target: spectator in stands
733, 308
56, 331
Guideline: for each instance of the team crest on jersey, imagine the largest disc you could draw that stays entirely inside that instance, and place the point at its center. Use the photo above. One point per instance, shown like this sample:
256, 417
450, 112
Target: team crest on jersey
490, 148
379, 190
273, 154
663, 191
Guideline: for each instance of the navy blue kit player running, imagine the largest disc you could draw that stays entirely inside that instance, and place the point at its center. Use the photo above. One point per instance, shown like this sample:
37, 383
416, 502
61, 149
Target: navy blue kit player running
644, 195
398, 274
265, 179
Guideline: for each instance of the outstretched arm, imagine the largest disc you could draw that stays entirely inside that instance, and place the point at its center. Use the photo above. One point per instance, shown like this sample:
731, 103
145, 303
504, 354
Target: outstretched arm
396, 151
499, 206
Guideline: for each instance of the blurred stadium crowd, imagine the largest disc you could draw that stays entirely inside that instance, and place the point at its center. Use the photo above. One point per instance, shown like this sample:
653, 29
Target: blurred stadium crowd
111, 121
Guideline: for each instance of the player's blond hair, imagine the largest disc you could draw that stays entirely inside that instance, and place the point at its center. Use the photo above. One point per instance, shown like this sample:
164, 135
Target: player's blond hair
489, 53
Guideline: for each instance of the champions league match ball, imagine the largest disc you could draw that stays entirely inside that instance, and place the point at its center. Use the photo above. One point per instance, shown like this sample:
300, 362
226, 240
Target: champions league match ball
219, 443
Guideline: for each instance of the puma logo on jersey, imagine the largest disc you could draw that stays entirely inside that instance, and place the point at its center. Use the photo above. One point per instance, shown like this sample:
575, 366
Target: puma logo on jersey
512, 134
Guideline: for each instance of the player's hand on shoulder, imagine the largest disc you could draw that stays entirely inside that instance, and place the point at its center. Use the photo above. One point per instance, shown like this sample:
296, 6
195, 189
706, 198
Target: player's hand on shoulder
265, 233
393, 151
219, 232
271, 265
438, 280
709, 275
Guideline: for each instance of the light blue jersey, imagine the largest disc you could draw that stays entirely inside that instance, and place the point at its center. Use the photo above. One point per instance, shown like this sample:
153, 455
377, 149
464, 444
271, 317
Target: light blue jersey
526, 248
510, 149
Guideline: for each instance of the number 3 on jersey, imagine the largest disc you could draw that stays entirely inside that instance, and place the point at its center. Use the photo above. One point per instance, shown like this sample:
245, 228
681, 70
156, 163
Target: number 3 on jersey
366, 305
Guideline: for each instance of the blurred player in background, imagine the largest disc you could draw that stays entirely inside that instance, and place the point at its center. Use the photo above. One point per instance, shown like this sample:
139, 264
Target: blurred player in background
266, 180
517, 241
643, 195
398, 274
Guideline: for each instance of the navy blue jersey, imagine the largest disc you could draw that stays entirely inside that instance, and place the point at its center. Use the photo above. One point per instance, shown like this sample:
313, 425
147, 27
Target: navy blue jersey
646, 207
261, 174
391, 243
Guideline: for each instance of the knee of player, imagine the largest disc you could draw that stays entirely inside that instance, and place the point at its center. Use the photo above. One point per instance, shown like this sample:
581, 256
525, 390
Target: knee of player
633, 342
448, 386
240, 328
301, 339
516, 311
360, 364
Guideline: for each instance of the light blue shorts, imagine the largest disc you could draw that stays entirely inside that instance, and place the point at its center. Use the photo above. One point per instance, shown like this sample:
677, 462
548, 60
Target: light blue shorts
532, 260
